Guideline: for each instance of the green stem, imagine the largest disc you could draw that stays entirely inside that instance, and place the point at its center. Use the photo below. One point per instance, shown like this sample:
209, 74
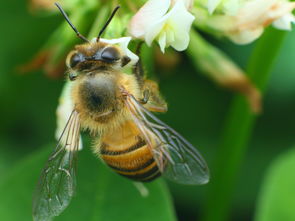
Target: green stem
238, 128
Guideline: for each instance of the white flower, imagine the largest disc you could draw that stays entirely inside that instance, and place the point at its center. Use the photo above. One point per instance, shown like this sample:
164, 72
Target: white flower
123, 44
64, 110
154, 21
257, 14
247, 23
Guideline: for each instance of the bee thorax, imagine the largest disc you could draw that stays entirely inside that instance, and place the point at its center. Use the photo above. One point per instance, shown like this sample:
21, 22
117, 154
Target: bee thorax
98, 94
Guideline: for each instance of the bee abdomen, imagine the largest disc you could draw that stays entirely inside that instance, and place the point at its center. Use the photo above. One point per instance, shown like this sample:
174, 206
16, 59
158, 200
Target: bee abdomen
134, 162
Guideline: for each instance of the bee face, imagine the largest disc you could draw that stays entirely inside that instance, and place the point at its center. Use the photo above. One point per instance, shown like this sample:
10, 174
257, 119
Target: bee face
95, 56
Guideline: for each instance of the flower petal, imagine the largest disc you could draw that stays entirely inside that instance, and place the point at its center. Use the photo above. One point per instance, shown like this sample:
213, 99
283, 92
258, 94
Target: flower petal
284, 23
181, 44
154, 30
147, 15
180, 21
162, 42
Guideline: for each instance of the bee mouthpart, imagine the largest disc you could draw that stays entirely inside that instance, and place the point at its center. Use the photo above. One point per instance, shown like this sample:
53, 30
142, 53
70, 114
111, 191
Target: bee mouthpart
72, 76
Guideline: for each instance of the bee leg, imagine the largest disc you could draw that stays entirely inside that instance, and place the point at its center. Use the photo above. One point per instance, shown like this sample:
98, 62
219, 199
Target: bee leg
155, 102
138, 70
152, 100
146, 97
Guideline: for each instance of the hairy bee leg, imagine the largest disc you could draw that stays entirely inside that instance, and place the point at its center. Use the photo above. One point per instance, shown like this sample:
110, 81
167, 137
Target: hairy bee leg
151, 95
155, 102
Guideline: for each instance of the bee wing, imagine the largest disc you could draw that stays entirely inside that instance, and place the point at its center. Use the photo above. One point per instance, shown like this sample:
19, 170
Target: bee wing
176, 158
57, 183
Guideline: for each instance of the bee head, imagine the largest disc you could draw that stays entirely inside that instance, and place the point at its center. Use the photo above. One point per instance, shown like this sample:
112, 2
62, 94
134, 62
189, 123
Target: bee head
96, 56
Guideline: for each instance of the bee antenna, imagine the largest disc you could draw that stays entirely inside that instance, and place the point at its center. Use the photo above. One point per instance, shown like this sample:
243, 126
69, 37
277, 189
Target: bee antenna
107, 23
70, 23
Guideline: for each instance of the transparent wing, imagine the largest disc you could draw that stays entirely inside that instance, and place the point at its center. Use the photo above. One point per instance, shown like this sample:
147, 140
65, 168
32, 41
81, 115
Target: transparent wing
177, 159
58, 179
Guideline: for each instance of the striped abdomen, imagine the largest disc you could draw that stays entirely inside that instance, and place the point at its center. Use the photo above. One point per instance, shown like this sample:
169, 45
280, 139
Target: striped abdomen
129, 155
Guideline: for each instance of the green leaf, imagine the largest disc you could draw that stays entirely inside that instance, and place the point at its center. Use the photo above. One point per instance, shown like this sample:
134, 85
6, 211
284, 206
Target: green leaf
16, 188
101, 193
276, 200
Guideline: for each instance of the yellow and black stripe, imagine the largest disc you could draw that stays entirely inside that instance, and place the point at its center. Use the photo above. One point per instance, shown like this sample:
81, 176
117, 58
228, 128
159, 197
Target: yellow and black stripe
135, 162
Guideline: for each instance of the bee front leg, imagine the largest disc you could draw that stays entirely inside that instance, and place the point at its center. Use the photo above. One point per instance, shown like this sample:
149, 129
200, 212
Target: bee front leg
137, 69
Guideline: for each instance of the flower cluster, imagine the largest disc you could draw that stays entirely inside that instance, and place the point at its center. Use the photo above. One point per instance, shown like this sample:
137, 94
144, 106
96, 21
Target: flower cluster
242, 21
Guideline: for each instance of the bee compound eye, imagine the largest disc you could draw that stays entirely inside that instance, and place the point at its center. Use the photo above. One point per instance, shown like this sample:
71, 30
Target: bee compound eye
75, 59
110, 54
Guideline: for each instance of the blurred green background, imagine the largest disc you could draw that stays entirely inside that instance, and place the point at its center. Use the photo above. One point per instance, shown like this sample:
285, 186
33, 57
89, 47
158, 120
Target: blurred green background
197, 109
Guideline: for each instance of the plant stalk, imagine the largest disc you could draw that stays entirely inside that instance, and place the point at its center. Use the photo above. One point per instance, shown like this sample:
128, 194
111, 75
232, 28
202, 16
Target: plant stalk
238, 129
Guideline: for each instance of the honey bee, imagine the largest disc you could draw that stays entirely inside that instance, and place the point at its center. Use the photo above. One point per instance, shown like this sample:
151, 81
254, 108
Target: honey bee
116, 108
